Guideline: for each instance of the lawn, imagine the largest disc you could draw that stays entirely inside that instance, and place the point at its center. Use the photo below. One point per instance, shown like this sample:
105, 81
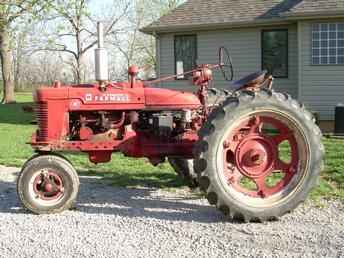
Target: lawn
16, 129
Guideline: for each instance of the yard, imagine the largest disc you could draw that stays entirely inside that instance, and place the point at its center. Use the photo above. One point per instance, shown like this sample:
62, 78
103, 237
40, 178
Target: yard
16, 129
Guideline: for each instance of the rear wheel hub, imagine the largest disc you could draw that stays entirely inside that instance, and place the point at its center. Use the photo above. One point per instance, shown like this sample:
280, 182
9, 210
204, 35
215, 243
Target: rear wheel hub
255, 155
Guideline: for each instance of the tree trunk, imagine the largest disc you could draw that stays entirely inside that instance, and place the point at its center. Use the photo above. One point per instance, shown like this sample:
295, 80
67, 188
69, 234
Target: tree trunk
78, 70
79, 56
17, 63
6, 65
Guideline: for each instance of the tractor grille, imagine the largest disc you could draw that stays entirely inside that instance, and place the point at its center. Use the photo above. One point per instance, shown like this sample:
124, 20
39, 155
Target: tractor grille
42, 120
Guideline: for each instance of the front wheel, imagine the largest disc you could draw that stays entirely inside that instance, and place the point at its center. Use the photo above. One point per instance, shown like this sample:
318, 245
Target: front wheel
259, 155
47, 184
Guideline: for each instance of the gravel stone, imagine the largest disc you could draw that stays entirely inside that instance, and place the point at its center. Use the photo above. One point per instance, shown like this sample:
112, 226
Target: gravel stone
145, 222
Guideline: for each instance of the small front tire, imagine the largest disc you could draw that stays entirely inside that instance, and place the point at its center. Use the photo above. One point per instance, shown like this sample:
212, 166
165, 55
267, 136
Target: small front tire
47, 184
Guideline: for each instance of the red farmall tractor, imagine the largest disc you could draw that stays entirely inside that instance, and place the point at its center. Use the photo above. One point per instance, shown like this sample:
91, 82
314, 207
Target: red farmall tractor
256, 153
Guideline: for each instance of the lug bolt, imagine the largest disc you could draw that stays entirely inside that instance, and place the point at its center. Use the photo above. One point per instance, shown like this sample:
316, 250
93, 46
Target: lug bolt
230, 166
231, 180
226, 144
262, 194
44, 172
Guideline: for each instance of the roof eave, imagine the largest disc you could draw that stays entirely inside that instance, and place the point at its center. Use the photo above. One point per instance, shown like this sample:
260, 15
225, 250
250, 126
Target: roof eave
312, 15
229, 25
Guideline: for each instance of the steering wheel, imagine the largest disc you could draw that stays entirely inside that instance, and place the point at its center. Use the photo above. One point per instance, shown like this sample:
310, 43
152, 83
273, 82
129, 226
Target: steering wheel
226, 65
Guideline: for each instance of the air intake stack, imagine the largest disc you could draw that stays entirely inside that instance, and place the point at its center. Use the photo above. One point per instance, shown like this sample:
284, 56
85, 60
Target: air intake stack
101, 58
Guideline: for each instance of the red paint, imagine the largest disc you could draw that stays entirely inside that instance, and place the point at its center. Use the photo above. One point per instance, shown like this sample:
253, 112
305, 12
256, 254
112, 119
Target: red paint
48, 186
85, 133
133, 70
203, 75
100, 156
255, 155
250, 153
164, 99
118, 105
54, 106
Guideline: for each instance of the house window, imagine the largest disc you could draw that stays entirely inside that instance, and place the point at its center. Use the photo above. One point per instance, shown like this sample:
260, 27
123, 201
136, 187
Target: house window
275, 52
328, 44
185, 51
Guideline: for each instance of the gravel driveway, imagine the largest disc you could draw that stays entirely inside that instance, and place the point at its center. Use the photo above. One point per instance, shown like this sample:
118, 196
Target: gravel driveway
118, 222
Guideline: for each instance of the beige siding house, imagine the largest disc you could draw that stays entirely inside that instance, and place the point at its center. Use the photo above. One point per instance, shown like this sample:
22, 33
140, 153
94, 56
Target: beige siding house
301, 42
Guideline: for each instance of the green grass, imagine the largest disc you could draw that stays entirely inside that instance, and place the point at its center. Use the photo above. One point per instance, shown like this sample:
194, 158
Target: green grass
332, 178
15, 131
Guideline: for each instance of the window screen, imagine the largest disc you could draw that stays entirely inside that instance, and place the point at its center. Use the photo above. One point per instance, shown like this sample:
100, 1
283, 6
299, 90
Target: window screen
185, 50
328, 44
275, 52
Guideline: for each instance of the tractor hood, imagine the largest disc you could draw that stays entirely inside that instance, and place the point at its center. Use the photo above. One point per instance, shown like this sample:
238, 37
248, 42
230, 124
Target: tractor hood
157, 98
118, 97
45, 94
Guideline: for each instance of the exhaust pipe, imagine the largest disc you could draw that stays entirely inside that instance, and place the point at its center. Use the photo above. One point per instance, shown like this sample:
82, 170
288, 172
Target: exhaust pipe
101, 57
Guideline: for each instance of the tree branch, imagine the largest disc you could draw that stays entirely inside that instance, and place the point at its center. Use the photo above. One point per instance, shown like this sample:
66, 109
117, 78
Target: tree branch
64, 49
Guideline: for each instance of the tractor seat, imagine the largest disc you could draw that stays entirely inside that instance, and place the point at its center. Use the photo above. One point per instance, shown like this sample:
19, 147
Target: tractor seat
249, 80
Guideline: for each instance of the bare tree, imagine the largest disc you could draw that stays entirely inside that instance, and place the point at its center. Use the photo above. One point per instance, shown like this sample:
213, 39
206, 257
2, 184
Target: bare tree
136, 47
11, 11
20, 45
69, 30
76, 30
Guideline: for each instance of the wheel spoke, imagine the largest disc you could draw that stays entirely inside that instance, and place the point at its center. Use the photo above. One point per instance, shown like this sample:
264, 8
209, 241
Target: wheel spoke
262, 188
282, 136
256, 124
56, 188
281, 165
233, 175
237, 176
279, 138
294, 154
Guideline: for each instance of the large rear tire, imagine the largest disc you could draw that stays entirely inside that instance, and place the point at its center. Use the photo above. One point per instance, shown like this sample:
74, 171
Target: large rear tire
240, 156
47, 184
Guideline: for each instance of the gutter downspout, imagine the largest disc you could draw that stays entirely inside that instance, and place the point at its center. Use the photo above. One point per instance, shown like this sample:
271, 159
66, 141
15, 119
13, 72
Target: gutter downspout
300, 59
